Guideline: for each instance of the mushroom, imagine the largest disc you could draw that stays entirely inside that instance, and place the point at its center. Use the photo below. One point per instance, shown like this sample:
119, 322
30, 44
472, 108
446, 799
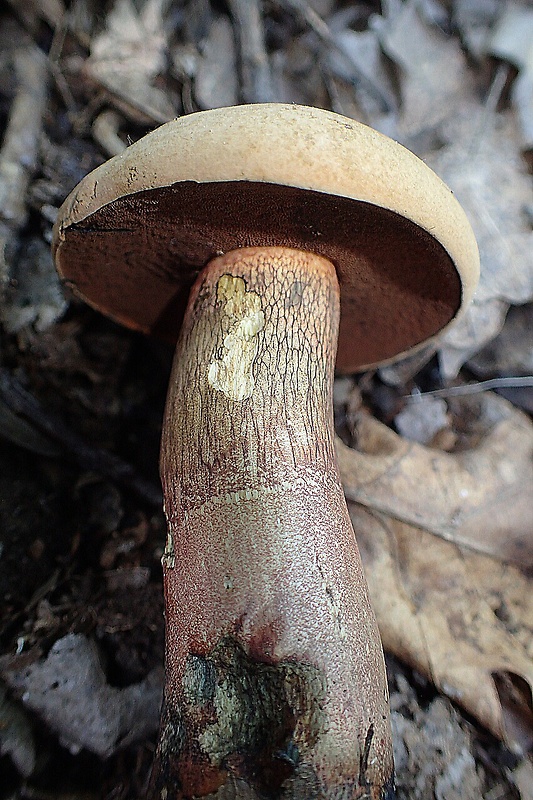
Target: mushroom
241, 233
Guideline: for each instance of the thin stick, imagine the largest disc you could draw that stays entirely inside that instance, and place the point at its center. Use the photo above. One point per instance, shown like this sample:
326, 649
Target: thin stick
315, 22
20, 148
255, 68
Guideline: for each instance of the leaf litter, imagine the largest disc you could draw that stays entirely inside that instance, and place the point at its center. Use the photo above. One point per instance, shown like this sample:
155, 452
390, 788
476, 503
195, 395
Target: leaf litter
441, 495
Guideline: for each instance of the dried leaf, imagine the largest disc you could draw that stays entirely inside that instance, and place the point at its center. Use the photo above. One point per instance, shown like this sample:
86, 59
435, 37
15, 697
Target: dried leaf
421, 421
460, 617
512, 41
477, 153
16, 735
482, 164
523, 779
473, 19
480, 498
34, 296
433, 613
510, 354
433, 72
358, 60
69, 691
512, 350
129, 54
512, 37
432, 753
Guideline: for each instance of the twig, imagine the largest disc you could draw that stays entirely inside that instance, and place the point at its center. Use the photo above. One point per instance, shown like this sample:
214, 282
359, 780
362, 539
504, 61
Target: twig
473, 388
90, 458
105, 132
315, 22
256, 77
20, 148
54, 55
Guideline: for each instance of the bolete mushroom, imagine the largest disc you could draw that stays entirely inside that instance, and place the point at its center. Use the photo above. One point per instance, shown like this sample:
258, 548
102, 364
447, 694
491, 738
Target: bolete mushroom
237, 232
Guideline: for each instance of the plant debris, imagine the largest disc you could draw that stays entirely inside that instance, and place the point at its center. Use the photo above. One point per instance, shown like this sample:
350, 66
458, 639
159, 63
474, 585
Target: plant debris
440, 489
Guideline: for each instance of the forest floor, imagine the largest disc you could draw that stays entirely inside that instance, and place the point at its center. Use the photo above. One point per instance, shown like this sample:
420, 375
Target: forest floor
82, 530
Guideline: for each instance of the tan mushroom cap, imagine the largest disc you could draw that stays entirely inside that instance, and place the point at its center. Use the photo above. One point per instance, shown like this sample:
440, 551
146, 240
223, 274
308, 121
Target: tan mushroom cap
133, 235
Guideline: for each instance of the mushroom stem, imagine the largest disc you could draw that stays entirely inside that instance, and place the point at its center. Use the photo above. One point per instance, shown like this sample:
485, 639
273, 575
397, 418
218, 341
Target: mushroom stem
275, 680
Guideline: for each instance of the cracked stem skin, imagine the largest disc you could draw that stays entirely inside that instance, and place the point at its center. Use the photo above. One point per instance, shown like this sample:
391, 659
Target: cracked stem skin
261, 559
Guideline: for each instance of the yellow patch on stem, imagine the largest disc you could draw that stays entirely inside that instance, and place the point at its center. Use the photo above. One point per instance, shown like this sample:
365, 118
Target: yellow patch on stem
242, 313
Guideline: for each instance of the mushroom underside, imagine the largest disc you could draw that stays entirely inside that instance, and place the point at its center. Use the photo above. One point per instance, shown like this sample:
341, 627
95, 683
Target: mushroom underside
135, 259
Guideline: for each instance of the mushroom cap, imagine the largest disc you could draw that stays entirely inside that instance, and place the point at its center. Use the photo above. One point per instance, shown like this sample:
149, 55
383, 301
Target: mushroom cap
133, 235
